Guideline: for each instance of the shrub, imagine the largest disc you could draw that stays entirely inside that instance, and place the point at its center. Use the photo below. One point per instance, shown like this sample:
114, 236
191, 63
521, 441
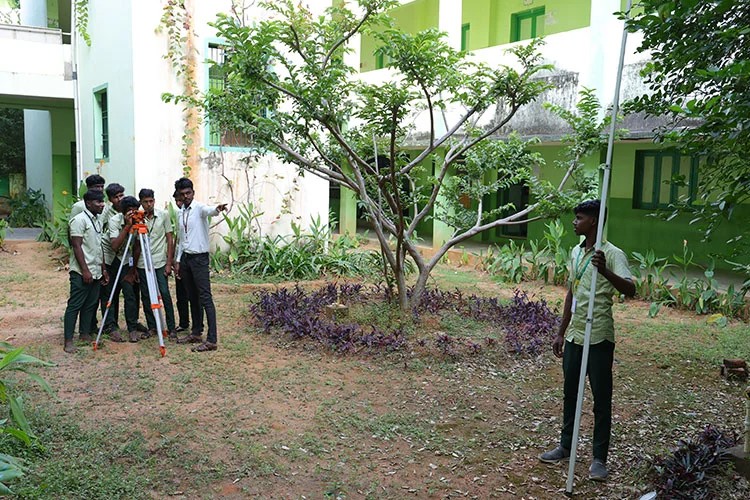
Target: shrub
528, 325
689, 471
15, 423
28, 209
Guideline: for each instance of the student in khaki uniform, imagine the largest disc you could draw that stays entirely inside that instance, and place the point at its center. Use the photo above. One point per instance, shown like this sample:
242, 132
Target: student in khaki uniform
120, 226
94, 182
613, 278
115, 193
87, 269
162, 253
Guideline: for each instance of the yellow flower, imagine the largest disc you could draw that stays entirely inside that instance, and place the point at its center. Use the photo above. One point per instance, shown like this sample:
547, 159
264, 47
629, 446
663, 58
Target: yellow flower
65, 193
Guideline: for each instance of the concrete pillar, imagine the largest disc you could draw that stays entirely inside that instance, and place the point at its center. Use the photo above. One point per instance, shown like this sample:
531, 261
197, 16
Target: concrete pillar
449, 21
37, 131
37, 125
34, 13
348, 212
441, 232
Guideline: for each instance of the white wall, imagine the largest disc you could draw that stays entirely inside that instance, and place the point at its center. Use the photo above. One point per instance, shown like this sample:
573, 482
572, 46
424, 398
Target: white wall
32, 63
222, 176
109, 61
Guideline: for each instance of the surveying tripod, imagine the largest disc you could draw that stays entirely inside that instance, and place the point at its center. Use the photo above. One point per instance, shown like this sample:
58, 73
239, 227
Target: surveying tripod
141, 230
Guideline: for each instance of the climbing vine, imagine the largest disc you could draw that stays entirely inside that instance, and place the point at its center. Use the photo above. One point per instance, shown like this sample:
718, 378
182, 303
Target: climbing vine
82, 20
177, 23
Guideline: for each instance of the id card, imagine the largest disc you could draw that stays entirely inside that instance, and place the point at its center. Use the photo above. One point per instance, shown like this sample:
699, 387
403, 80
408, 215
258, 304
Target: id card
573, 305
130, 261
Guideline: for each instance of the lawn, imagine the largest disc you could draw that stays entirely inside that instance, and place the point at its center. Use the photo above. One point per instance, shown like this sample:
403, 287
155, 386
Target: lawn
268, 416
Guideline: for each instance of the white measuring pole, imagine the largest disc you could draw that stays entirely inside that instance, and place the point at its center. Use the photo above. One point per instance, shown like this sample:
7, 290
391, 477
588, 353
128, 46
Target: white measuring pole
594, 273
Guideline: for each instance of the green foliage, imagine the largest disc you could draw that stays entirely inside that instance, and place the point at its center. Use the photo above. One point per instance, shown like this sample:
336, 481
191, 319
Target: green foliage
82, 20
678, 289
303, 255
13, 421
545, 260
698, 76
12, 149
28, 209
57, 230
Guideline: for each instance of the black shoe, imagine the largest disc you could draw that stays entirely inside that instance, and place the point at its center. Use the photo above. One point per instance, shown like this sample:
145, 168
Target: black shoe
181, 329
140, 327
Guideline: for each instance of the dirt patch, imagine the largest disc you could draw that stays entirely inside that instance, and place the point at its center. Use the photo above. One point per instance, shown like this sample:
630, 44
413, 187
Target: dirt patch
260, 419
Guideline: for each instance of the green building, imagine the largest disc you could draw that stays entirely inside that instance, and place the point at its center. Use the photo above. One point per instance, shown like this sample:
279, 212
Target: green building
582, 41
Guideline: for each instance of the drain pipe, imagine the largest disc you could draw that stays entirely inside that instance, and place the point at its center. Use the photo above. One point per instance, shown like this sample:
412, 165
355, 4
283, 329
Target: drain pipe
76, 96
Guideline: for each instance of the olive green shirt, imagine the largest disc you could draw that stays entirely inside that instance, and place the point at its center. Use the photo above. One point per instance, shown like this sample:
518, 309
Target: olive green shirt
79, 206
581, 271
158, 228
89, 227
116, 223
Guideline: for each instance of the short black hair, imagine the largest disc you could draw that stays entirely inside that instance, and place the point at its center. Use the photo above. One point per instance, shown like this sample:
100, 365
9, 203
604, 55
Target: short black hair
590, 208
114, 189
95, 180
176, 194
91, 195
183, 183
129, 203
145, 193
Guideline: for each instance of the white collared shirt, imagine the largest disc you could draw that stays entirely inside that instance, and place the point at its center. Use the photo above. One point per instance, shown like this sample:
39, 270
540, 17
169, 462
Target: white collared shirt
193, 228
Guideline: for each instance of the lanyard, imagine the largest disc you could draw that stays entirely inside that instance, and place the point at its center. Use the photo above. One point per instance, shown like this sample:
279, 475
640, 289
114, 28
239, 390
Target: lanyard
579, 272
93, 223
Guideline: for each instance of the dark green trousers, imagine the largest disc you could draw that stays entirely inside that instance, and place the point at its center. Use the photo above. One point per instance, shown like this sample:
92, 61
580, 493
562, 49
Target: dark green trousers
166, 298
599, 371
114, 308
83, 301
129, 294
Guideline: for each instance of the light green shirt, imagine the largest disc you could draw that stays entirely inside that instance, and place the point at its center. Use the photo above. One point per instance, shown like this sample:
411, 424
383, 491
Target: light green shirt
158, 228
89, 227
77, 208
109, 254
581, 270
116, 223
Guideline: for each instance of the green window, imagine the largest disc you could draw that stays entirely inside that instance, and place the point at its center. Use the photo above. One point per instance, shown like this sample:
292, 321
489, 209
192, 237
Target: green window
465, 33
379, 60
663, 178
527, 24
518, 194
101, 124
218, 137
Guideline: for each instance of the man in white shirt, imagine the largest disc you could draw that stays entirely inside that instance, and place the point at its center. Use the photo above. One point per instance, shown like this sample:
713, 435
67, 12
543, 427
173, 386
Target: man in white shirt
191, 264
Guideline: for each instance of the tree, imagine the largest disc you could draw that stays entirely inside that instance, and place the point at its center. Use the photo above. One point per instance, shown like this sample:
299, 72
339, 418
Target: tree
12, 151
288, 86
699, 79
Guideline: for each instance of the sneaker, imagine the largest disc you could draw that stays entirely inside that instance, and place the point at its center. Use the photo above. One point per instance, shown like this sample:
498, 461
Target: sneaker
555, 456
134, 336
598, 471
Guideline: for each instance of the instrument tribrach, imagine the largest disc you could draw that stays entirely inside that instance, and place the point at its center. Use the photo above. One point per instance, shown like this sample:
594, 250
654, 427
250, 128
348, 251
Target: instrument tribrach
139, 228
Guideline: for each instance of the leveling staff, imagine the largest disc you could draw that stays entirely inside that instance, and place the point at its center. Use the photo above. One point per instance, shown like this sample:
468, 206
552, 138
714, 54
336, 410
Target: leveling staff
87, 269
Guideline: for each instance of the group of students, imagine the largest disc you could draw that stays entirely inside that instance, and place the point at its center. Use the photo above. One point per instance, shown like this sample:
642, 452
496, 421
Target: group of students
99, 236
